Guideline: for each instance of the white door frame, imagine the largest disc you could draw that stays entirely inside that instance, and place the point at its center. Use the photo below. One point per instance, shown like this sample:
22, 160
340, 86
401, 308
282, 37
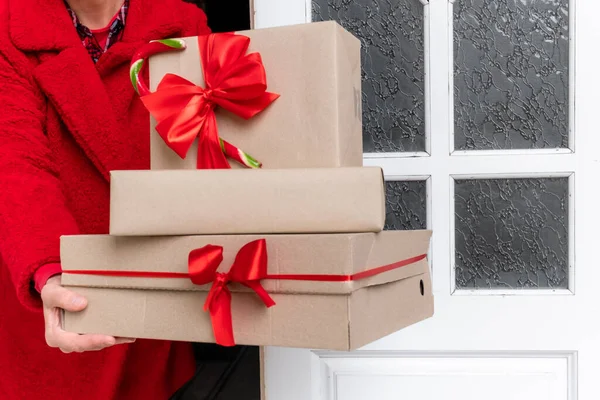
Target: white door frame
513, 325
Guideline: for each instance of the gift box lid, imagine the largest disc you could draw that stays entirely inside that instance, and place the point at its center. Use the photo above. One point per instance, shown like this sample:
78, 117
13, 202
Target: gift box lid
353, 260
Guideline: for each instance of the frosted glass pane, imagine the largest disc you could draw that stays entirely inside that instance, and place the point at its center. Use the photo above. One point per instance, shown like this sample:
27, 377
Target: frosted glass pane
406, 205
391, 32
511, 74
512, 233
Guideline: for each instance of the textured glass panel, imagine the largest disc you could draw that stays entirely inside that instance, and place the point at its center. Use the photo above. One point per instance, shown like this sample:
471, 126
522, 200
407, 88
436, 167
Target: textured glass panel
406, 205
511, 74
512, 233
391, 32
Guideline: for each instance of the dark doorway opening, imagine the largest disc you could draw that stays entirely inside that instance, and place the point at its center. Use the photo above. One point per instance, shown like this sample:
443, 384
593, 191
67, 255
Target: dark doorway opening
225, 373
226, 15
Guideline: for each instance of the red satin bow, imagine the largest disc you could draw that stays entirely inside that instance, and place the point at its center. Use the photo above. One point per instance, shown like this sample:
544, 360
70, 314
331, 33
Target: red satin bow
249, 267
234, 80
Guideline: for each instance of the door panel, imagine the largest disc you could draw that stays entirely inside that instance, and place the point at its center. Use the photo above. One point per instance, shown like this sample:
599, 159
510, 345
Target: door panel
482, 115
450, 378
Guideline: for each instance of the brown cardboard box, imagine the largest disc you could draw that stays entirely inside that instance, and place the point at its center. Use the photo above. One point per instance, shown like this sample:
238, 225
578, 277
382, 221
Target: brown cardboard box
317, 121
244, 201
310, 314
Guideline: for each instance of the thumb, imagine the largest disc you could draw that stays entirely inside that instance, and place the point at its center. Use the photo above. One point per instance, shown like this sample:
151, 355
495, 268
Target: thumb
58, 296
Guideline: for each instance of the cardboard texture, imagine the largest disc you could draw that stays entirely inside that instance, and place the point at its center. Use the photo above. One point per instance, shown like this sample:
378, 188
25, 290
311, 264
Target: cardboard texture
317, 121
186, 202
308, 314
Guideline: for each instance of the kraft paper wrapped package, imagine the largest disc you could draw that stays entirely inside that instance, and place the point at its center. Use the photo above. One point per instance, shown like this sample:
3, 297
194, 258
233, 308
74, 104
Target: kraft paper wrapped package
316, 121
245, 201
328, 291
288, 255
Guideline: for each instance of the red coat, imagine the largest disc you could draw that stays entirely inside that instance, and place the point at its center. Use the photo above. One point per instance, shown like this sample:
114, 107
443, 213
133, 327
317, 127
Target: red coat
64, 124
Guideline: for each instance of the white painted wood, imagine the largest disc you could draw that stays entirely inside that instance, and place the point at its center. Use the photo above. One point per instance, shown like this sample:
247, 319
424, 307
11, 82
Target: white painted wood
407, 154
269, 13
448, 377
551, 337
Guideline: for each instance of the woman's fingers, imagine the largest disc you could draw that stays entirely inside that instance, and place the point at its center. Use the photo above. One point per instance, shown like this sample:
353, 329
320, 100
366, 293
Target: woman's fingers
121, 340
55, 298
54, 295
69, 342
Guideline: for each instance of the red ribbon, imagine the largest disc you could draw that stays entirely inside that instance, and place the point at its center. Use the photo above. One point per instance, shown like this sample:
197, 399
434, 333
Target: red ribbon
249, 268
233, 80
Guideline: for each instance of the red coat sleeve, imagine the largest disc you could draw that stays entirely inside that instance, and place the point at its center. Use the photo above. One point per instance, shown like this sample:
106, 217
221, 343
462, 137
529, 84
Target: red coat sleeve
43, 273
33, 212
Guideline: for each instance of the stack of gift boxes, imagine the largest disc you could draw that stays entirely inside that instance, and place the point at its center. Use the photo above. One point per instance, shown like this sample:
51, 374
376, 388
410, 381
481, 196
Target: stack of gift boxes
290, 254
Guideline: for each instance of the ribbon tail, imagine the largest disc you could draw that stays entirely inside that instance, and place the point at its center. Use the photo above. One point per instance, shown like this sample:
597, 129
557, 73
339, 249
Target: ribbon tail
210, 152
261, 292
220, 315
177, 139
266, 99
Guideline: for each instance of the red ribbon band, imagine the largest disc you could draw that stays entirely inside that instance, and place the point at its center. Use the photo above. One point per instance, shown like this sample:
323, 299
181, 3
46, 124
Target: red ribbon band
248, 269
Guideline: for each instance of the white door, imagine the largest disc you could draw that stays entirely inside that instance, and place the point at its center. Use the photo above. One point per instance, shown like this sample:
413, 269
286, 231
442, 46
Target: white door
483, 115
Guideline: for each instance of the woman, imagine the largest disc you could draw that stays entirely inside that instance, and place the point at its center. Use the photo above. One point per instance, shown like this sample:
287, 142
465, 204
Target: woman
68, 115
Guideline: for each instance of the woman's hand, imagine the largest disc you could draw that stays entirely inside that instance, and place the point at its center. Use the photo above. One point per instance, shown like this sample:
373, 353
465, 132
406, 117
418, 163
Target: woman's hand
55, 297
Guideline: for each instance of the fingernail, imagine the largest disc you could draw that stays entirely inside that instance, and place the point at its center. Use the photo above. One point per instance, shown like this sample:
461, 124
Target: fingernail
77, 301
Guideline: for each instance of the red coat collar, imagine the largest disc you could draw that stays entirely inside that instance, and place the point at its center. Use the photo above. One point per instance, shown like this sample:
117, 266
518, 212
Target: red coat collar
91, 105
45, 25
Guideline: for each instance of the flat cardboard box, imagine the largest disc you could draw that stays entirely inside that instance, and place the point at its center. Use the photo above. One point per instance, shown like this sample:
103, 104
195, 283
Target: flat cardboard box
317, 121
308, 314
244, 201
